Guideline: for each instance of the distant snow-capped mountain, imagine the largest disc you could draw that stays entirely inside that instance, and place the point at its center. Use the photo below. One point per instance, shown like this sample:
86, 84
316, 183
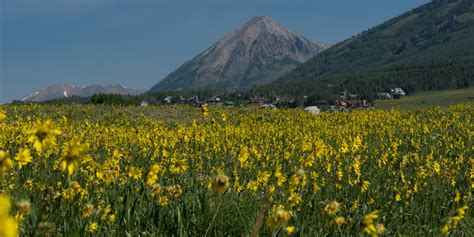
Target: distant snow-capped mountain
64, 90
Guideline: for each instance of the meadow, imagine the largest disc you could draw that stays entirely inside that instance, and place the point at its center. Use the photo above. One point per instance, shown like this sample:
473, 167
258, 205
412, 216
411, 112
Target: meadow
429, 99
80, 170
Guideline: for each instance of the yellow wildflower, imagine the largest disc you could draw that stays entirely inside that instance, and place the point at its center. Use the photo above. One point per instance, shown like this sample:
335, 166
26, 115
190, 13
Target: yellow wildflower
453, 221
294, 199
398, 197
380, 228
205, 110
112, 219
337, 223
355, 205
457, 198
365, 186
135, 173
332, 208
106, 212
43, 134
279, 217
174, 190
462, 211
5, 205
243, 157
87, 210
152, 176
5, 162
3, 115
163, 201
369, 226
178, 166
92, 227
8, 227
75, 185
290, 230
8, 224
23, 157
71, 155
220, 183
356, 143
23, 206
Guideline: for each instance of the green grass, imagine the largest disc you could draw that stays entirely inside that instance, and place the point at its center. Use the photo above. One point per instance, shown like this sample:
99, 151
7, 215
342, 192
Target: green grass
429, 99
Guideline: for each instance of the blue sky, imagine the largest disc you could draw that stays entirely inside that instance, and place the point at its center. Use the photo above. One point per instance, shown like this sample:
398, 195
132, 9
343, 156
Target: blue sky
136, 43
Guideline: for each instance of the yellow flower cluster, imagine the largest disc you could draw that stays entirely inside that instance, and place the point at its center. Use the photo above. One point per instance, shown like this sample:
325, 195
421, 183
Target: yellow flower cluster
72, 154
453, 221
5, 162
157, 170
8, 224
43, 134
370, 227
278, 218
3, 114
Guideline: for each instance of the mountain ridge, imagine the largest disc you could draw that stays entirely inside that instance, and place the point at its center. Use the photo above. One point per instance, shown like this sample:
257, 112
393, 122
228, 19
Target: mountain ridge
64, 90
426, 48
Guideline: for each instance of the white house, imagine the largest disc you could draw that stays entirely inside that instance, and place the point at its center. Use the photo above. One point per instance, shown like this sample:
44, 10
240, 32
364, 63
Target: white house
313, 109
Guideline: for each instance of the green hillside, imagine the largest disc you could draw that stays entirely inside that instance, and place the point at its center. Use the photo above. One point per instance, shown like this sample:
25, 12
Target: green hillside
429, 99
428, 48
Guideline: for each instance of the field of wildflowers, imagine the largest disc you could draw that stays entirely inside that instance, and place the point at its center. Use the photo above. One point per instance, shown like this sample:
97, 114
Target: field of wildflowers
184, 171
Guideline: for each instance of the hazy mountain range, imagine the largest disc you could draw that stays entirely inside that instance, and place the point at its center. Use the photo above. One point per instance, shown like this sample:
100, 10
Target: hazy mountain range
64, 91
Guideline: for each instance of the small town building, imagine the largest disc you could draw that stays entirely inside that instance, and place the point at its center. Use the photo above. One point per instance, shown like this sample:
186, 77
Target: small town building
313, 109
144, 103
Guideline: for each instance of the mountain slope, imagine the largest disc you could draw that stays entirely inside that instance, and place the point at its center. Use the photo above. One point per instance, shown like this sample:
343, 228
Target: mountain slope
430, 47
256, 53
63, 91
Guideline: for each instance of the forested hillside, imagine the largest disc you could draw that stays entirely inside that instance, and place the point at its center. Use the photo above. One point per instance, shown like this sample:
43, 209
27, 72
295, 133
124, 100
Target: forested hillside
428, 48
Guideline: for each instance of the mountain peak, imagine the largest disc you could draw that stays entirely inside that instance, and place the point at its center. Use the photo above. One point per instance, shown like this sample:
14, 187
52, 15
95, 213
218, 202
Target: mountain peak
260, 19
257, 52
262, 24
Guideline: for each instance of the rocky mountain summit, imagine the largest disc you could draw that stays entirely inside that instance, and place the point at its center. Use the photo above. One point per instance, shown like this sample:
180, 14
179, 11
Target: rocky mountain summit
258, 52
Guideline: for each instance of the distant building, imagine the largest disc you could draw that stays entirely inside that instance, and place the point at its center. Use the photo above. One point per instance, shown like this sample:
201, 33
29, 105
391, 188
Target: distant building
257, 100
353, 96
168, 99
144, 103
313, 109
332, 108
194, 100
346, 95
279, 100
343, 95
268, 106
352, 103
397, 93
214, 99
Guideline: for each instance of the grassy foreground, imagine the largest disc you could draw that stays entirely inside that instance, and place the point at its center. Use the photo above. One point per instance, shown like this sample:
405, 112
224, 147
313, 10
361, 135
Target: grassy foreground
429, 99
184, 171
